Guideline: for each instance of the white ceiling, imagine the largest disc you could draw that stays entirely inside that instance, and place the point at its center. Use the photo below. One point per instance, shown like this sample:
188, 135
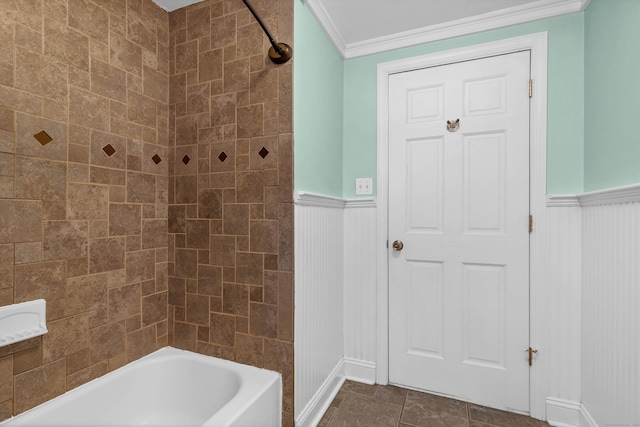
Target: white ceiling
171, 5
360, 20
362, 27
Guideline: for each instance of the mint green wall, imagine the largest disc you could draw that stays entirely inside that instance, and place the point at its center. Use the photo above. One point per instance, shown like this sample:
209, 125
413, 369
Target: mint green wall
612, 93
318, 107
565, 101
335, 106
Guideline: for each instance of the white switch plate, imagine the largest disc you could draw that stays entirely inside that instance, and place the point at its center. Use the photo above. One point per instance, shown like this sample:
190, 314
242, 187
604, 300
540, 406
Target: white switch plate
364, 186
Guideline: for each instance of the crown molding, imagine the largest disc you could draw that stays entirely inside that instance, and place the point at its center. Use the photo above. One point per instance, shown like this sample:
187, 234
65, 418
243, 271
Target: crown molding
515, 15
320, 12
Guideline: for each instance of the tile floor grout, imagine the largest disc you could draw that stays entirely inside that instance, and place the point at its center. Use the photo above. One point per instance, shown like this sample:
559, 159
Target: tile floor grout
358, 404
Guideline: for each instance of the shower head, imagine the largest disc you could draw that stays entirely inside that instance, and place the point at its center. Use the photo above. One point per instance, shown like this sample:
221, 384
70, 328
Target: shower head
282, 55
279, 53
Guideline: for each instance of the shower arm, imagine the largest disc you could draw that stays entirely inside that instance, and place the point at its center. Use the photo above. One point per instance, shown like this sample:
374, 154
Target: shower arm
279, 53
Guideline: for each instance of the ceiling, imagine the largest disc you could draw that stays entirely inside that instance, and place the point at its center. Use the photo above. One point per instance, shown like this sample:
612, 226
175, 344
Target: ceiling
362, 27
171, 5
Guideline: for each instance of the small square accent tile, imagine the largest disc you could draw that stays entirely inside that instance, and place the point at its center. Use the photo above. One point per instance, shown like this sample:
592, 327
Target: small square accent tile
264, 152
186, 159
222, 157
156, 159
43, 137
109, 150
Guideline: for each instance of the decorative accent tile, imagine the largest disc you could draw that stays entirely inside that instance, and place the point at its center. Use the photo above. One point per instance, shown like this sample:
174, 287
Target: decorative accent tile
109, 150
186, 159
264, 152
222, 157
43, 137
156, 159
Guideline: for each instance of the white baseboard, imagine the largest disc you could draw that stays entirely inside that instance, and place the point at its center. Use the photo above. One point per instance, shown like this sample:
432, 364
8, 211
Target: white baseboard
586, 420
360, 371
566, 413
352, 369
321, 400
563, 413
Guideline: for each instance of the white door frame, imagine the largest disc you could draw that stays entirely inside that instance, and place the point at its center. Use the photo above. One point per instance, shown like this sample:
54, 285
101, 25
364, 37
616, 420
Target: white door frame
537, 44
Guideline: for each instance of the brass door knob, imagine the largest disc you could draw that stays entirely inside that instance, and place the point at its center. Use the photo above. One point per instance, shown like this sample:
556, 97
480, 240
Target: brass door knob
397, 245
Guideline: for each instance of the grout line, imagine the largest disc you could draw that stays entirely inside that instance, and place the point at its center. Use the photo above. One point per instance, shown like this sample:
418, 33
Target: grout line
402, 410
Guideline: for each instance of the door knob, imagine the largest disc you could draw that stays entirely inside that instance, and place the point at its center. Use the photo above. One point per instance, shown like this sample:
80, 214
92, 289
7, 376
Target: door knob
398, 245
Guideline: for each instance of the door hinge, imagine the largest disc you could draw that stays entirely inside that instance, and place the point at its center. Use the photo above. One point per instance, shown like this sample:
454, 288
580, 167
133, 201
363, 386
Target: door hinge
531, 351
530, 223
530, 88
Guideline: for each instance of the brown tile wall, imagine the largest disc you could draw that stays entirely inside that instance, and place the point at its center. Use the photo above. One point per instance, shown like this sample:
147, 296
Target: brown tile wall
88, 232
230, 208
85, 231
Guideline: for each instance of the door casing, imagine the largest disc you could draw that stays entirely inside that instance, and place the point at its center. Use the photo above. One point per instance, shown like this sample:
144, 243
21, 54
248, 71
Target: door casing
537, 44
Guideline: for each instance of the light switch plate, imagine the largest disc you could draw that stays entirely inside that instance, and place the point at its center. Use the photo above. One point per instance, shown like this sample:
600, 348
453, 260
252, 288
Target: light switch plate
364, 186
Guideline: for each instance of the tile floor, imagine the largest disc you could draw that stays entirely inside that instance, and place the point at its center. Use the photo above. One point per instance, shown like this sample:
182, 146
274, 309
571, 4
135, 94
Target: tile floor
365, 405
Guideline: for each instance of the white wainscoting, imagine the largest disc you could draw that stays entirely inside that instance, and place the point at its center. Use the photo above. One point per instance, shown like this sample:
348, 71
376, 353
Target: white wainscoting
600, 385
586, 420
611, 307
360, 291
563, 280
318, 345
562, 413
593, 298
335, 299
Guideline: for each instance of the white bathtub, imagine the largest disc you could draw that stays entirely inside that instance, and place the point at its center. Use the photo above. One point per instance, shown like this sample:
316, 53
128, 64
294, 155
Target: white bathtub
170, 387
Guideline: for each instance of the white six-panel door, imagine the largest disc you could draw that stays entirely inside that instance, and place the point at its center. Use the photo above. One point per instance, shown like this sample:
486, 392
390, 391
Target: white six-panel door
459, 203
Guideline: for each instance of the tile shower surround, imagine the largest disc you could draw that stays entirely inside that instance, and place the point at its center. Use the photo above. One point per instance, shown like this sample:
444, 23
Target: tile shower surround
133, 246
231, 204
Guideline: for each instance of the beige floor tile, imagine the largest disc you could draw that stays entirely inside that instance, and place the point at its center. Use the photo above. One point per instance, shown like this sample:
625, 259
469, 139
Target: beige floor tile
500, 418
326, 418
363, 405
479, 424
364, 411
360, 388
391, 393
427, 410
